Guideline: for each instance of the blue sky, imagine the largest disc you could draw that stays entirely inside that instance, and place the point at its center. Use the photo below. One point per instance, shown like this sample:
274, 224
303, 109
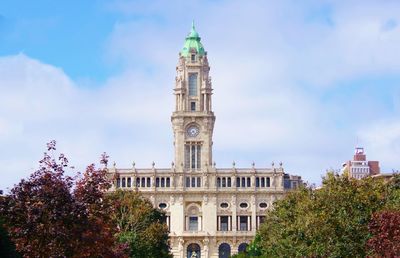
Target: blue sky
301, 83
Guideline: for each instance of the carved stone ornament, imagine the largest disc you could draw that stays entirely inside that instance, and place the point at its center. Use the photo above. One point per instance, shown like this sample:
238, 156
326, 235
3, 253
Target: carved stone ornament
205, 199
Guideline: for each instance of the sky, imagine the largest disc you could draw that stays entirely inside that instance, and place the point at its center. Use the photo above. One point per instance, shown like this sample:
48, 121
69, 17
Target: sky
298, 82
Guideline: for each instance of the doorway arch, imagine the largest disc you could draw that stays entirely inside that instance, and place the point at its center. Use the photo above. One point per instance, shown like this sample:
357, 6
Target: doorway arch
224, 250
242, 248
193, 251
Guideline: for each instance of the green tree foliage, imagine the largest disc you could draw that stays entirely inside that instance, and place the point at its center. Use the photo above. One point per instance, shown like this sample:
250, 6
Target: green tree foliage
54, 215
140, 226
328, 222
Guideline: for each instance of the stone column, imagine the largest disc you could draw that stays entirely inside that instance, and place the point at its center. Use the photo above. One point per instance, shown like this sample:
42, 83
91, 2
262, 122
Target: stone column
234, 217
253, 213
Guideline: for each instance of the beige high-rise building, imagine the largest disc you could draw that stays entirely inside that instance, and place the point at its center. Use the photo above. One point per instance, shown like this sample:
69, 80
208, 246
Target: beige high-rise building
211, 212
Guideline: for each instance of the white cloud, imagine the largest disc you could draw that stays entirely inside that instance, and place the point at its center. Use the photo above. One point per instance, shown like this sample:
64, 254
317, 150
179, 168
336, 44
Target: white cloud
278, 88
382, 140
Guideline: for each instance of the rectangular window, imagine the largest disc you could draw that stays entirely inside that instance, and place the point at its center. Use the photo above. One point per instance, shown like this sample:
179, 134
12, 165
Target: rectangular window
198, 182
261, 220
193, 58
187, 156
193, 224
192, 106
193, 84
198, 156
243, 223
193, 157
187, 181
193, 182
224, 223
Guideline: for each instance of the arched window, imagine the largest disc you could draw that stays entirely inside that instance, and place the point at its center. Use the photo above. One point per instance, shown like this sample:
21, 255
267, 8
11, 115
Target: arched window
168, 182
242, 248
148, 182
224, 182
218, 182
262, 182
143, 182
224, 251
229, 182
157, 182
129, 182
162, 182
118, 183
123, 182
193, 250
268, 182
138, 182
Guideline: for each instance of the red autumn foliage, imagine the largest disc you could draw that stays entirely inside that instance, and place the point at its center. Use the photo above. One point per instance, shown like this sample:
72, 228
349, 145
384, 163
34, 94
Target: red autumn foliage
385, 230
54, 215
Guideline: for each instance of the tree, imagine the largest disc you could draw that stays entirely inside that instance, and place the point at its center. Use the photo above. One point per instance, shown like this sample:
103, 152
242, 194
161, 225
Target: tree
385, 230
7, 247
140, 225
329, 222
54, 215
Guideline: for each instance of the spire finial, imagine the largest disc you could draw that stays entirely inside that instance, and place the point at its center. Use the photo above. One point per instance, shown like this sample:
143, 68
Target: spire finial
193, 28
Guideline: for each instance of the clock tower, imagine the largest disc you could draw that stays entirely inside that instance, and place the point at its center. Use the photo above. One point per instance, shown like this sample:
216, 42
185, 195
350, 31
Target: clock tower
193, 118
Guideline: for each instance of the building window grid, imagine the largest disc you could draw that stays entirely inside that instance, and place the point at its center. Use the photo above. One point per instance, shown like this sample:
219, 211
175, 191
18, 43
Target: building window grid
193, 181
243, 182
263, 182
224, 182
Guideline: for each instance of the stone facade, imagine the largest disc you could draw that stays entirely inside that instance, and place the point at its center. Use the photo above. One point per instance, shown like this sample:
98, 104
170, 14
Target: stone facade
211, 212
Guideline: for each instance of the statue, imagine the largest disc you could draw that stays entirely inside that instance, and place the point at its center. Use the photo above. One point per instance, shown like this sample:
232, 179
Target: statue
194, 255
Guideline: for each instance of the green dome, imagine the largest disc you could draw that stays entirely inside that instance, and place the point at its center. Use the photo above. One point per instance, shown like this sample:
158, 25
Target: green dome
193, 42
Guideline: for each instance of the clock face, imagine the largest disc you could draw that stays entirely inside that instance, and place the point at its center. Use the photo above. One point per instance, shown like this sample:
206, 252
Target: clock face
193, 131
